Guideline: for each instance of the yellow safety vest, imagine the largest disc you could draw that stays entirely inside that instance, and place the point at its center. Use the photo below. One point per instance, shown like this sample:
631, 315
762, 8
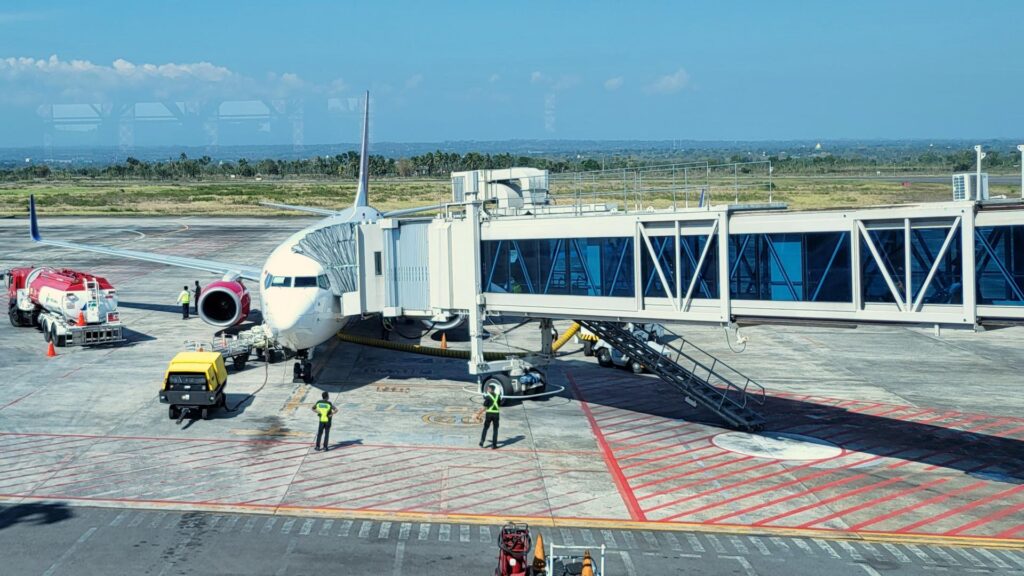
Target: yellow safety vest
324, 409
183, 298
493, 408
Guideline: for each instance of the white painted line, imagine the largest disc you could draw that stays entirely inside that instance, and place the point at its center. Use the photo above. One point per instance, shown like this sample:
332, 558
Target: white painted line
268, 526
385, 531
779, 542
760, 546
364, 529
1013, 557
874, 551
485, 534
946, 557
444, 532
346, 526
871, 571
628, 563
896, 552
747, 568
159, 518
119, 518
142, 516
801, 544
853, 552
715, 543
629, 539
424, 532
995, 559
739, 545
566, 537
286, 528
919, 553
969, 557
609, 538
695, 543
325, 528
307, 527
588, 537
651, 539
67, 553
292, 544
403, 531
249, 525
399, 557
463, 533
230, 524
828, 549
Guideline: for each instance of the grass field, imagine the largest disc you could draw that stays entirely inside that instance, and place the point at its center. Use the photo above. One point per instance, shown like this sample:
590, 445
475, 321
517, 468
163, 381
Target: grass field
88, 197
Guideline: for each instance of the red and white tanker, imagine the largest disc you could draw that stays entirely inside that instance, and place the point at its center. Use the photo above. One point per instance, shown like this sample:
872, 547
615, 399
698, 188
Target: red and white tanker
72, 308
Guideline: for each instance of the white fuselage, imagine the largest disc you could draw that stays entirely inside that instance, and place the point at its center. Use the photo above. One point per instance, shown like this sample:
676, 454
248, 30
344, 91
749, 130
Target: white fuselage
297, 302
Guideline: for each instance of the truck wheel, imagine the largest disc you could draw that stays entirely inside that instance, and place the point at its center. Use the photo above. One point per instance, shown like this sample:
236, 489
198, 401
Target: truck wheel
239, 363
604, 357
57, 340
588, 348
172, 412
204, 413
48, 334
14, 315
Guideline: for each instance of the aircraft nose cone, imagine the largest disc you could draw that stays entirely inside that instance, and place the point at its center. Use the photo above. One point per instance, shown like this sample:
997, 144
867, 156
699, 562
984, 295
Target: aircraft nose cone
284, 310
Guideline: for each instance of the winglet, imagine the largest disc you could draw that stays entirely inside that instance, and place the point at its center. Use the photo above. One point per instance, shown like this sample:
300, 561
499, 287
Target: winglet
33, 223
364, 159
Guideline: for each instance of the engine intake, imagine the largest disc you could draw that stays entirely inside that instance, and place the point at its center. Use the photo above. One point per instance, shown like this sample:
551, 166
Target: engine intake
224, 304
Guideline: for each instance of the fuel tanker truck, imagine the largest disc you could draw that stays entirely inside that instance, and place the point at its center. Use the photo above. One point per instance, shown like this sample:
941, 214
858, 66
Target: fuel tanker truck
71, 308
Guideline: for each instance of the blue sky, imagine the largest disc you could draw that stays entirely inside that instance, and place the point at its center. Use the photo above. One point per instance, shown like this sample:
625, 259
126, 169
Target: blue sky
501, 70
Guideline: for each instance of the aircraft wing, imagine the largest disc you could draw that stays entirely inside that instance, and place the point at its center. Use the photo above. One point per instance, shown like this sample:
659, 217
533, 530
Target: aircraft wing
311, 209
225, 269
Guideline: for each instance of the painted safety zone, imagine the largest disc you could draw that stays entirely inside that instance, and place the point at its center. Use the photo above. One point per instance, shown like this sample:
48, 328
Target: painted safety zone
901, 470
269, 474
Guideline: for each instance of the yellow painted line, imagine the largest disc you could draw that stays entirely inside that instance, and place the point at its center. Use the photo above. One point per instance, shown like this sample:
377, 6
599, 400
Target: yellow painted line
296, 399
546, 522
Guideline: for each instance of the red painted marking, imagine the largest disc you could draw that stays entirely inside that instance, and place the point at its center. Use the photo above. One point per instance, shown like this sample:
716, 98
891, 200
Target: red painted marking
1009, 533
891, 410
820, 503
635, 513
941, 416
697, 471
667, 456
759, 491
833, 484
667, 438
912, 507
16, 400
705, 481
626, 444
959, 509
865, 408
875, 502
986, 519
658, 422
60, 445
445, 501
994, 424
689, 461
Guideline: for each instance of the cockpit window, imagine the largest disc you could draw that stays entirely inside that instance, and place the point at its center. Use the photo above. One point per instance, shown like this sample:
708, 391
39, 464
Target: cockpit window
279, 281
323, 282
305, 281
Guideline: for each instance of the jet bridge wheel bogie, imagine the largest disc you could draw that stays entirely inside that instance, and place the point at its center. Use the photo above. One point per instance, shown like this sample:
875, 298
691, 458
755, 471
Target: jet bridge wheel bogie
504, 384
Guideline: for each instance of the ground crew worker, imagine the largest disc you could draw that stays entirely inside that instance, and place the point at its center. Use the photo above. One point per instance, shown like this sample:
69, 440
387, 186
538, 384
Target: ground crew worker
183, 299
326, 411
198, 290
491, 412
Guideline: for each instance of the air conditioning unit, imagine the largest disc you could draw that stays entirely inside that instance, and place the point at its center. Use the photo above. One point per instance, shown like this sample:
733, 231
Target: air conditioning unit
965, 186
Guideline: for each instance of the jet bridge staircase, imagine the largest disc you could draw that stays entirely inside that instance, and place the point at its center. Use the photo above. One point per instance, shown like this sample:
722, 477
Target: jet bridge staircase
703, 378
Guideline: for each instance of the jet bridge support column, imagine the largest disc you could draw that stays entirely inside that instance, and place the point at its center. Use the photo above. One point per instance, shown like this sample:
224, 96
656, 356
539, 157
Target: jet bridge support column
477, 363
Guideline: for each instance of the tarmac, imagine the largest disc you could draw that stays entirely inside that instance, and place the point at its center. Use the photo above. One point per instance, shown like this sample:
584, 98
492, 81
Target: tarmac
884, 436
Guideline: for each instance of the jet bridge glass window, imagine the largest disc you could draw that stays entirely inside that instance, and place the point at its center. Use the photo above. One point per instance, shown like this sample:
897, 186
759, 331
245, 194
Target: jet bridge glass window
946, 286
691, 248
566, 266
999, 257
791, 267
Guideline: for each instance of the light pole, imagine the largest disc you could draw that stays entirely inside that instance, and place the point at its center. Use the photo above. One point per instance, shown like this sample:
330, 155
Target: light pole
977, 182
1020, 147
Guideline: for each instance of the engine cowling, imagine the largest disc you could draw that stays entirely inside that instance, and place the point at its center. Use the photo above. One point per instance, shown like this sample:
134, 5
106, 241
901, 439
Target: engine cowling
224, 303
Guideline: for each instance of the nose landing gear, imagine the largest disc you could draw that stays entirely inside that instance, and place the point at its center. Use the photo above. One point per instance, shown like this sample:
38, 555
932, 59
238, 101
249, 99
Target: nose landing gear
302, 370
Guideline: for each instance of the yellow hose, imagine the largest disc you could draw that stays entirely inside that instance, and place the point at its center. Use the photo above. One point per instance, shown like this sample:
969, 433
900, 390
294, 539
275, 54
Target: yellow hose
565, 337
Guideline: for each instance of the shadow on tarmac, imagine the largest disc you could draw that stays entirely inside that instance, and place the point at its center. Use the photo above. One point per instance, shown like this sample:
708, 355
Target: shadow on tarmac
35, 513
980, 455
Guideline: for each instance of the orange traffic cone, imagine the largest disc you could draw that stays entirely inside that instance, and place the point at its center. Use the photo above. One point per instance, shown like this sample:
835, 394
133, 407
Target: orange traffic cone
51, 351
81, 319
539, 562
444, 341
588, 564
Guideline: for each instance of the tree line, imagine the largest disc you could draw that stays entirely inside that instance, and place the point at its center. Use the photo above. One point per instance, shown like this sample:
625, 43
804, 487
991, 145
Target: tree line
440, 164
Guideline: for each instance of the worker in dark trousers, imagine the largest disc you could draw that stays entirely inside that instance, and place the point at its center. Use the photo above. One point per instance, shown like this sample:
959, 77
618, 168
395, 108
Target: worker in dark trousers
492, 411
326, 411
197, 291
183, 299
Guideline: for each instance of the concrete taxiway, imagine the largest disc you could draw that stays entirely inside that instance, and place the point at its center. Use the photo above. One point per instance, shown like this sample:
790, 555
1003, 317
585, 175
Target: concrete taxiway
891, 438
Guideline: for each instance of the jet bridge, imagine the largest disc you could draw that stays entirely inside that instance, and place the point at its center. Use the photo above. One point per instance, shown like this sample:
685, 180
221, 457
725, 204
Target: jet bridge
508, 246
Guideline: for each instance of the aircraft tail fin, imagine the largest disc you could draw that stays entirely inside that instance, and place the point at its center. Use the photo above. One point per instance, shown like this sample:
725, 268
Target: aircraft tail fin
33, 222
364, 158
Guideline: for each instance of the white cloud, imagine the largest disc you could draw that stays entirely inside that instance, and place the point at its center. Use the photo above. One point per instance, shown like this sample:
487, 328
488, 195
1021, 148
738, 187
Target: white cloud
670, 83
537, 78
413, 81
613, 84
494, 78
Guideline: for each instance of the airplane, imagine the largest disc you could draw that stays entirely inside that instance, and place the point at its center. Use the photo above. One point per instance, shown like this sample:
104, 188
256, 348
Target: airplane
294, 288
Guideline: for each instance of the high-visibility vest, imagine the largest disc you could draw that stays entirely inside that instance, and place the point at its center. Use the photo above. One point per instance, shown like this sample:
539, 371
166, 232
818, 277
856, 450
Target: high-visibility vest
183, 297
493, 408
324, 410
